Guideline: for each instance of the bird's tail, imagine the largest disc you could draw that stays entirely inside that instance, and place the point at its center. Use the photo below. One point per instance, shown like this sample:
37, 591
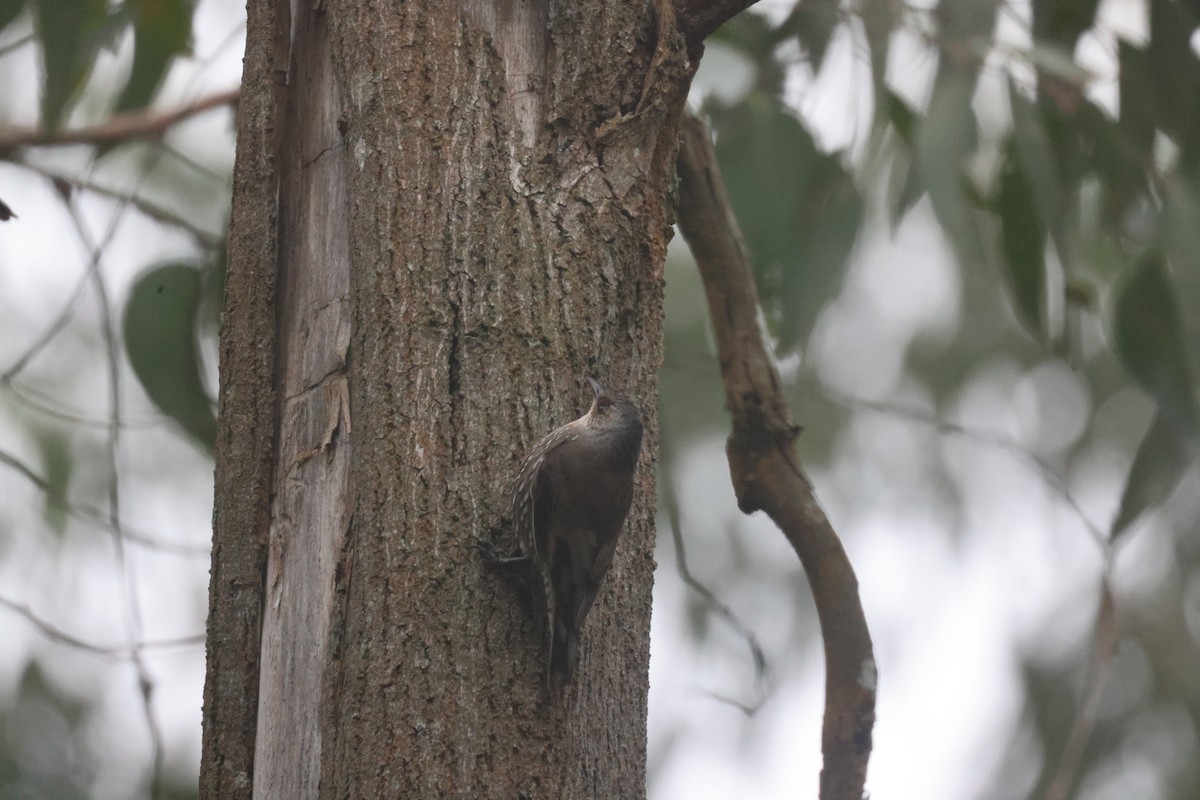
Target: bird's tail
564, 647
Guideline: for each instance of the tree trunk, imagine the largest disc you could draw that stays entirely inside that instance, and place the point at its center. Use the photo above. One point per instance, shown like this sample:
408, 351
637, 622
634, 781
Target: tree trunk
472, 217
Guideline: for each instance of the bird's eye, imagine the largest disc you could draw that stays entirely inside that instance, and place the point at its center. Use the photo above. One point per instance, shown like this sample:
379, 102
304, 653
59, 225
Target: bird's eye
603, 403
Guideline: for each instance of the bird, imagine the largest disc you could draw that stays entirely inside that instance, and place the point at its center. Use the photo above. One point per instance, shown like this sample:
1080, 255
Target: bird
569, 503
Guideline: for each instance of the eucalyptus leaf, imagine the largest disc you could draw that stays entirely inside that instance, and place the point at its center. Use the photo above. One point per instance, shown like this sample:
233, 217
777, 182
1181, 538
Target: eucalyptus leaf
798, 208
9, 11
162, 30
160, 339
813, 23
945, 139
1022, 244
1181, 218
1136, 87
1062, 22
1150, 340
879, 20
1036, 156
71, 35
1163, 458
1175, 69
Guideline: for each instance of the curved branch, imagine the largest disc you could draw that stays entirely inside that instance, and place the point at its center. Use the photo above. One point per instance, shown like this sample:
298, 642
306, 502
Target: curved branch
766, 473
699, 18
117, 128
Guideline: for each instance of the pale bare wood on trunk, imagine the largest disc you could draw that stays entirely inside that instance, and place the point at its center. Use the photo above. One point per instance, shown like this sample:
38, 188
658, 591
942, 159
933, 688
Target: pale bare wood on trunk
313, 497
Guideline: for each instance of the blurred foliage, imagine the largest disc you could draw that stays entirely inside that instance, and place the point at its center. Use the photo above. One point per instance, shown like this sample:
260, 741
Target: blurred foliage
800, 209
74, 32
55, 739
1067, 178
44, 745
1082, 209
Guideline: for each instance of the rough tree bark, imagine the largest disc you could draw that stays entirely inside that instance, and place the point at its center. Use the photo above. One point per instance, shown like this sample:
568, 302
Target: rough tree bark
446, 220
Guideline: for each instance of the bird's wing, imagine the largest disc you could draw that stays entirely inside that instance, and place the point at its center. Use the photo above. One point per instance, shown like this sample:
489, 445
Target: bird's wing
530, 501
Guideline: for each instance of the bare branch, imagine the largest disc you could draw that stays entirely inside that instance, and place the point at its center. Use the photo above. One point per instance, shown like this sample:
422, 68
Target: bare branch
204, 238
1104, 650
117, 128
766, 473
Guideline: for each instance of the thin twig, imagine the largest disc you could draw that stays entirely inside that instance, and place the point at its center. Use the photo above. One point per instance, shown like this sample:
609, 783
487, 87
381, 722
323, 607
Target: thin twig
133, 613
94, 516
206, 239
1104, 650
1049, 474
670, 499
1104, 643
117, 129
121, 652
60, 321
52, 330
41, 403
16, 44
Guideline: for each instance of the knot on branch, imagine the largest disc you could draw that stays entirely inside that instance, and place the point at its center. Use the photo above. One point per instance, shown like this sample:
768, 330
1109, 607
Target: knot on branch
760, 432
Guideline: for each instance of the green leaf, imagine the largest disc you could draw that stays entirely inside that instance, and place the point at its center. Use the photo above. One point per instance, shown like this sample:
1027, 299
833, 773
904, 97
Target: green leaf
1181, 219
1136, 87
1123, 175
57, 469
162, 30
798, 208
1036, 155
1149, 337
160, 338
1062, 22
1022, 244
766, 155
9, 11
965, 38
904, 187
945, 139
902, 116
1162, 459
1175, 68
827, 227
1054, 62
813, 23
879, 19
71, 33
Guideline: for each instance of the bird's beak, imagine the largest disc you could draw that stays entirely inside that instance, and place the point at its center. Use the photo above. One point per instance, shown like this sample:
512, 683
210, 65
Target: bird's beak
596, 387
